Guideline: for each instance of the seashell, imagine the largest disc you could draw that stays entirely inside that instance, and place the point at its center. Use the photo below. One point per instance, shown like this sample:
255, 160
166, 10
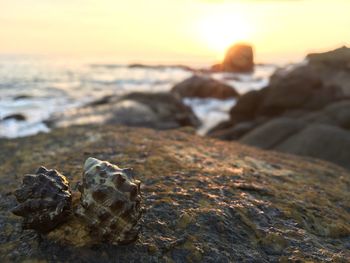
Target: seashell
110, 202
44, 200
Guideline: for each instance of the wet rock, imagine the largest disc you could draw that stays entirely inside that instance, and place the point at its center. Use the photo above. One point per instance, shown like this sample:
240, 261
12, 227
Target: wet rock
44, 200
153, 110
110, 202
170, 111
201, 86
22, 97
15, 116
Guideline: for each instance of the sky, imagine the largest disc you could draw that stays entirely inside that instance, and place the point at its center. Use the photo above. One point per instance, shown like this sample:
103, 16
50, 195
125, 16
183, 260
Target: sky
173, 31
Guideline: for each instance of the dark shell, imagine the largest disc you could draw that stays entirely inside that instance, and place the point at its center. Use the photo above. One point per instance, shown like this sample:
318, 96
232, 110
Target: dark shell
110, 202
44, 200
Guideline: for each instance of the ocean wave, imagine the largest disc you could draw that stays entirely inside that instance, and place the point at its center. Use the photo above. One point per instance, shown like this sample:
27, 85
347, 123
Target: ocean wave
38, 88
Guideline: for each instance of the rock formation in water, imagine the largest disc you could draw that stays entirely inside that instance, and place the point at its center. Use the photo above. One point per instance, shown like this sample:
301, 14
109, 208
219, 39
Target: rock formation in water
199, 86
239, 58
154, 110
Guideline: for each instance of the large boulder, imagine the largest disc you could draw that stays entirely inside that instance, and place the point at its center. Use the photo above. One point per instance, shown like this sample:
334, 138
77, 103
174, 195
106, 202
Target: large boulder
325, 79
322, 134
332, 67
300, 89
279, 116
239, 58
272, 133
248, 105
242, 117
154, 110
336, 114
338, 58
320, 141
201, 86
203, 200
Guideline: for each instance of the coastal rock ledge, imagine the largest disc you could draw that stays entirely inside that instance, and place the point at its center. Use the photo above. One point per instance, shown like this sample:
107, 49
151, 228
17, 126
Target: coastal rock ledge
205, 200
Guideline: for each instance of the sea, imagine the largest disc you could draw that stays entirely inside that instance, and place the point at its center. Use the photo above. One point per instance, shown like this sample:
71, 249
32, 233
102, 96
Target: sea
37, 87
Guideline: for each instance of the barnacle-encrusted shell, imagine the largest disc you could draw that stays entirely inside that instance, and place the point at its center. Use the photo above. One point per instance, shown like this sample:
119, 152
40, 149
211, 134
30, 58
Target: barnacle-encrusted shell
44, 200
110, 202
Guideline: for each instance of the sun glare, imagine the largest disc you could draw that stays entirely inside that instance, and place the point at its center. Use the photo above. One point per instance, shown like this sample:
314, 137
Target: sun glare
219, 31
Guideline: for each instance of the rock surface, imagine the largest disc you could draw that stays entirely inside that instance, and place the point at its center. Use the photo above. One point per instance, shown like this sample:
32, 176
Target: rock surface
203, 87
154, 110
205, 200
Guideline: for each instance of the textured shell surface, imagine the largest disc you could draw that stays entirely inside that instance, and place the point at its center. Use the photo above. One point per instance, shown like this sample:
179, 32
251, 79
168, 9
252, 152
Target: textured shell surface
44, 199
110, 202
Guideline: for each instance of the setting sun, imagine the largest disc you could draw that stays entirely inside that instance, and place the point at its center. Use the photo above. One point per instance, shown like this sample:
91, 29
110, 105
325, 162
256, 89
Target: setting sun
218, 31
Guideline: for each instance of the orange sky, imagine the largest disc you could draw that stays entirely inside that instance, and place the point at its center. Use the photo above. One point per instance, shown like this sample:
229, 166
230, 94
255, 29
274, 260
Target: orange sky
182, 31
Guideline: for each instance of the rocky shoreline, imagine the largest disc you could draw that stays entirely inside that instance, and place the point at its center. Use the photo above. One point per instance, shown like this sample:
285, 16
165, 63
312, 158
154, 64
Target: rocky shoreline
205, 200
304, 110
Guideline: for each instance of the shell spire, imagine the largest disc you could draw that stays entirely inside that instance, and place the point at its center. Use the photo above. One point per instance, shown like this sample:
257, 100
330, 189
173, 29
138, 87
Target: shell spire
110, 202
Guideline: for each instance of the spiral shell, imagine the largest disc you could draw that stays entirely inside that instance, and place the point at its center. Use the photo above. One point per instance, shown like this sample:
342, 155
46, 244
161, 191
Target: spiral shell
110, 202
44, 200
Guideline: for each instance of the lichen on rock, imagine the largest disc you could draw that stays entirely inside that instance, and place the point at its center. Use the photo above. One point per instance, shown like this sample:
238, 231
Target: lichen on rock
206, 200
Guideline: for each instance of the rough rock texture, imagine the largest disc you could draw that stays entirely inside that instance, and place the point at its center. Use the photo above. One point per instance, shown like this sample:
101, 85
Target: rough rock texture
110, 202
203, 87
44, 200
205, 200
153, 110
238, 58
